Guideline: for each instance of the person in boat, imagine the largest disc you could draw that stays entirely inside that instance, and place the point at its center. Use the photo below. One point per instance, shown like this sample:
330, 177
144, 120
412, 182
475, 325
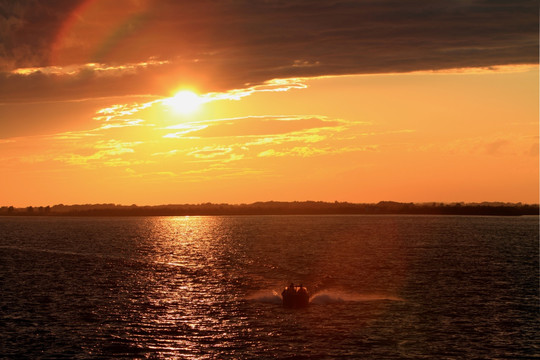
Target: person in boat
291, 289
288, 291
302, 297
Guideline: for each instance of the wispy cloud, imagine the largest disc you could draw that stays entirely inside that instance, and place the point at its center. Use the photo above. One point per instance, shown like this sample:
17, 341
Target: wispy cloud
271, 126
210, 152
305, 151
78, 69
222, 171
492, 145
103, 152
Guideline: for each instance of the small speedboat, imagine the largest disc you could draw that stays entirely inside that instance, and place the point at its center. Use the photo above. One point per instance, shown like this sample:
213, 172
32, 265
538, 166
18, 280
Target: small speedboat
295, 297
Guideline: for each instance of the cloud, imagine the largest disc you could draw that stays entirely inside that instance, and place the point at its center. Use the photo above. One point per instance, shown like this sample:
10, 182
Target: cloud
221, 171
268, 136
78, 83
304, 151
497, 147
219, 46
210, 152
119, 129
497, 144
103, 152
256, 126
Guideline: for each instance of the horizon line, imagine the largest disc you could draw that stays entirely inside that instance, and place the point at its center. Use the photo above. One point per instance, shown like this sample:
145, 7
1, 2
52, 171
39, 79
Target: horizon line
281, 202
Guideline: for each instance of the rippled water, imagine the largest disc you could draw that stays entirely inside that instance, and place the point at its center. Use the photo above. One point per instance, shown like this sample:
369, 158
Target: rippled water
382, 287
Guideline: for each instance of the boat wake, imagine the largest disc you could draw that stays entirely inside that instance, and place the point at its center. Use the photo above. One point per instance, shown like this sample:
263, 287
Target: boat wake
322, 297
336, 296
266, 296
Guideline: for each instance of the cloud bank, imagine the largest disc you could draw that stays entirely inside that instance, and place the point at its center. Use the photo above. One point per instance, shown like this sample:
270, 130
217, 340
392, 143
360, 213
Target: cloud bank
100, 48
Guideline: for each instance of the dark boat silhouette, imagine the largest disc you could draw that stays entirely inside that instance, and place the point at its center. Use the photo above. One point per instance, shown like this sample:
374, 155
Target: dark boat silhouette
295, 297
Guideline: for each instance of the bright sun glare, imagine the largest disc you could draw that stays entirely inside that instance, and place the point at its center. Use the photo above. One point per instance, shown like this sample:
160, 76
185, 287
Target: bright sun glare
184, 102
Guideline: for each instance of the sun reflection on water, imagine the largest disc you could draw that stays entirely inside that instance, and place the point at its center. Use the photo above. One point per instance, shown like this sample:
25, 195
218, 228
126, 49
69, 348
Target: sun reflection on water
186, 300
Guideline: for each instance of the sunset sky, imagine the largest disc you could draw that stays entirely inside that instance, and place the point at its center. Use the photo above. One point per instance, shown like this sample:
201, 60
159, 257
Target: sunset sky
163, 101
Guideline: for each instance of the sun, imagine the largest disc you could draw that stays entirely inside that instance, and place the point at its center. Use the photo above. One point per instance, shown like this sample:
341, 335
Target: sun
184, 102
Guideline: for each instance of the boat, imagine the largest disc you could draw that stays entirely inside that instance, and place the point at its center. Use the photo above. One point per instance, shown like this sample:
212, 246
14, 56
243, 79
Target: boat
295, 297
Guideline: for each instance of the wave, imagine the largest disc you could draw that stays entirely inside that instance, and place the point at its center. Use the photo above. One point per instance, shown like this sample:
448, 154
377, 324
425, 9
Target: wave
50, 251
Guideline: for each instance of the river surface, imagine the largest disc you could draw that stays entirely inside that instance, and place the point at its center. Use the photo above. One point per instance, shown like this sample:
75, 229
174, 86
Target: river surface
382, 287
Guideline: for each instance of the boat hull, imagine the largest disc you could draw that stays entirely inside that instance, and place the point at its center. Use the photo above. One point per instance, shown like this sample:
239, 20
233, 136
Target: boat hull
297, 299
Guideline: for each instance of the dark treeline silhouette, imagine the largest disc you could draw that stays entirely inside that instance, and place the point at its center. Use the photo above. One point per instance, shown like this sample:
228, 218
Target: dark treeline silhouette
278, 208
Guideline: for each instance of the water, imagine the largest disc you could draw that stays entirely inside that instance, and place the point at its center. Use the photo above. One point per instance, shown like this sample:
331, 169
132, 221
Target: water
383, 287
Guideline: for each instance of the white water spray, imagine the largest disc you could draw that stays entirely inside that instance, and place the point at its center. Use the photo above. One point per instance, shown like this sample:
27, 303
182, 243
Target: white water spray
323, 297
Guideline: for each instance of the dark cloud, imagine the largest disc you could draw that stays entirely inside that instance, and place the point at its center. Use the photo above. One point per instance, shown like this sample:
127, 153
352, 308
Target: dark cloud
220, 45
28, 29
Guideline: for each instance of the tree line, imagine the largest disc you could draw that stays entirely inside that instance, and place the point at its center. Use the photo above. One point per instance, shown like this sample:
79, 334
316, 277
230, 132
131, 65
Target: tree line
278, 208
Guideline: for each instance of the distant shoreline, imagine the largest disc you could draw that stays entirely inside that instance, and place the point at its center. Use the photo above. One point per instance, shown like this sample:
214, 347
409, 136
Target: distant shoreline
279, 208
